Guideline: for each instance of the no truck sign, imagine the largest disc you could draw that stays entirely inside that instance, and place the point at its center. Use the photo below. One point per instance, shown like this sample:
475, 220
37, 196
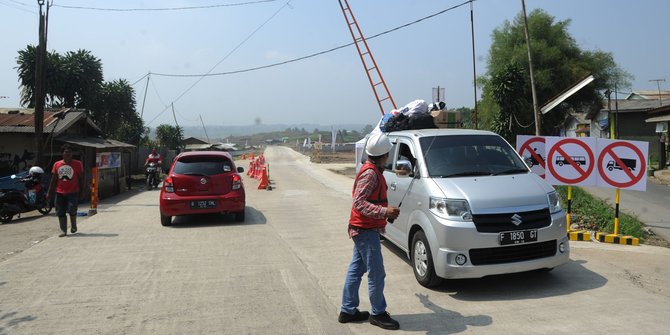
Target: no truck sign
622, 164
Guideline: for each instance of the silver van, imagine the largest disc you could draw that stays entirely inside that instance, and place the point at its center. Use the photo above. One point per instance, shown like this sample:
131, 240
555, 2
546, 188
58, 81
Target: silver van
470, 206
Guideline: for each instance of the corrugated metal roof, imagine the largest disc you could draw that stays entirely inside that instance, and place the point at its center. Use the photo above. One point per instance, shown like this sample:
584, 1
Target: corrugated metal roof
55, 121
94, 142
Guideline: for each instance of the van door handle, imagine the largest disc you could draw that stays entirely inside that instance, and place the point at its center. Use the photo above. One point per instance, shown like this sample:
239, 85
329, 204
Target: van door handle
393, 186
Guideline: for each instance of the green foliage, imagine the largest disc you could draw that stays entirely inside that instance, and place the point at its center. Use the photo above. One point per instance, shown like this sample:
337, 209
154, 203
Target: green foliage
115, 108
558, 63
170, 137
507, 89
591, 213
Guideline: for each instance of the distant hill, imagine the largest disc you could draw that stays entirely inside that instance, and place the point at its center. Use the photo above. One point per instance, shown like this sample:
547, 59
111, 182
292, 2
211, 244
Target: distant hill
227, 131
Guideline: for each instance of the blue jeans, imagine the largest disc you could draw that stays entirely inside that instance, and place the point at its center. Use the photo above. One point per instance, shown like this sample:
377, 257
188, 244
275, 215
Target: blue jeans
367, 258
66, 203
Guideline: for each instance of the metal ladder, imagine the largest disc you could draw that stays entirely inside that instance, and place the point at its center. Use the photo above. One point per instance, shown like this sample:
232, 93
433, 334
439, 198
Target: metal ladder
377, 82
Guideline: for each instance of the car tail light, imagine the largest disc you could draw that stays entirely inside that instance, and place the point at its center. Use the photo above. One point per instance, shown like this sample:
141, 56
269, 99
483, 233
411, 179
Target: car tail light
167, 185
237, 182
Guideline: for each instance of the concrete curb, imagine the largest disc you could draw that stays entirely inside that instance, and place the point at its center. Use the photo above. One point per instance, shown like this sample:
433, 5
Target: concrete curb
579, 235
617, 239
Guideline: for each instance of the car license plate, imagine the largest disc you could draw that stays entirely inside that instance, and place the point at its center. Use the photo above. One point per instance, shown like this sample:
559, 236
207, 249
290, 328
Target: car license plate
199, 204
518, 236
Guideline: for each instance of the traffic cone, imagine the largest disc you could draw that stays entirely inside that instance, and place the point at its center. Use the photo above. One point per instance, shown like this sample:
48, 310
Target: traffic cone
251, 155
251, 168
244, 156
264, 180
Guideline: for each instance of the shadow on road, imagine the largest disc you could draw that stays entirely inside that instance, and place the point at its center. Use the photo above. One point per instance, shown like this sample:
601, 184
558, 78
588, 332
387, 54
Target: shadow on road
439, 320
566, 279
253, 217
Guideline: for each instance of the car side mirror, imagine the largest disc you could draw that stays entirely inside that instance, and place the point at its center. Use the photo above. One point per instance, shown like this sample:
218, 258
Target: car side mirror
403, 168
240, 169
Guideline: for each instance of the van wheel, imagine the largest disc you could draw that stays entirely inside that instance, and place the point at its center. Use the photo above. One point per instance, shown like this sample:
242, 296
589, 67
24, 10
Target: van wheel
166, 220
422, 261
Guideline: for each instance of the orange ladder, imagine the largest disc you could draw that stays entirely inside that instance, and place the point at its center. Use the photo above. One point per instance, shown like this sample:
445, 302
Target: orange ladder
371, 69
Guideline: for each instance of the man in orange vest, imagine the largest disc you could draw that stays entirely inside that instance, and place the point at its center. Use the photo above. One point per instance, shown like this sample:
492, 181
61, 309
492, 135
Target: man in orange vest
367, 221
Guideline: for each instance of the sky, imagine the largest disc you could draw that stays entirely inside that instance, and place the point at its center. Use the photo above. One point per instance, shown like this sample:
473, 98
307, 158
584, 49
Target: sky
142, 45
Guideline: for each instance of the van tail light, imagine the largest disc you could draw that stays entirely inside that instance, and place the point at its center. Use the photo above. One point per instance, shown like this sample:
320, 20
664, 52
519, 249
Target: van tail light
237, 182
168, 187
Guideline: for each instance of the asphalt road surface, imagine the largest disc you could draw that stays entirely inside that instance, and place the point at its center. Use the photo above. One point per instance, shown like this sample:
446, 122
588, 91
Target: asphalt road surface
281, 272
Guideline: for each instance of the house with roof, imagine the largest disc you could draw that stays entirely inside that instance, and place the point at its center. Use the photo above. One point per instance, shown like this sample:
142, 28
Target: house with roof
627, 118
64, 125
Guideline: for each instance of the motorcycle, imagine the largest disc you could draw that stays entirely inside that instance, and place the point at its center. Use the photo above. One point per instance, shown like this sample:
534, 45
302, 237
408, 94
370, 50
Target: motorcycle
152, 172
14, 202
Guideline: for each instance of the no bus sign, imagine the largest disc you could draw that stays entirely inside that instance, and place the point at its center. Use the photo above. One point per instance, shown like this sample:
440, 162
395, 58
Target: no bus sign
570, 161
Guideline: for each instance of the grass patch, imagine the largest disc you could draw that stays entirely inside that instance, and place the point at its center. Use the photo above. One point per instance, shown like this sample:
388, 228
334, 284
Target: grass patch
591, 213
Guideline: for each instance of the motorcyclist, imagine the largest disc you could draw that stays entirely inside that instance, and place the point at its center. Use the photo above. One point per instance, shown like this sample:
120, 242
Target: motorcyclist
154, 157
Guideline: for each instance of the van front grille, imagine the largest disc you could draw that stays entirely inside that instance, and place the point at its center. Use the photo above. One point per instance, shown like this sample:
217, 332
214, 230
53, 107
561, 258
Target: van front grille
516, 253
495, 223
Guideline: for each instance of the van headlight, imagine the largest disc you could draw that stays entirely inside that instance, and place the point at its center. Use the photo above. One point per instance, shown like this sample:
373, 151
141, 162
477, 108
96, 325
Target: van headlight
454, 209
554, 202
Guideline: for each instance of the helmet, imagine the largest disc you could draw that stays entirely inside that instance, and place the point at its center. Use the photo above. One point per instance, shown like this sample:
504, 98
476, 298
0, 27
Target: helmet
378, 144
35, 171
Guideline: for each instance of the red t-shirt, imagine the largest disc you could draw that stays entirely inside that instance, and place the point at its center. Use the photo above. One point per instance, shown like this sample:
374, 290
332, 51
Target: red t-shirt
68, 176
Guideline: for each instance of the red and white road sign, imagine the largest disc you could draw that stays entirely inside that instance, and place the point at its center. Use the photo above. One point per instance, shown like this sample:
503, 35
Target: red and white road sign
570, 161
531, 148
622, 164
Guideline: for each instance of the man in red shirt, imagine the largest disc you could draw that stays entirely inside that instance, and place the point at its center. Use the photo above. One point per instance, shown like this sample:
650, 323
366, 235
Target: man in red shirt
67, 180
367, 221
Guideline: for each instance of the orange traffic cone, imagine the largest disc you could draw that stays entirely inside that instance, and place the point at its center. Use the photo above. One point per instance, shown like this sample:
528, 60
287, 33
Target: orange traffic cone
264, 180
251, 155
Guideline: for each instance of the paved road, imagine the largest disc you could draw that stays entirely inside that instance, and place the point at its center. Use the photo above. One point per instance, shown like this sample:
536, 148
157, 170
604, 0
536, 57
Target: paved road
281, 272
652, 206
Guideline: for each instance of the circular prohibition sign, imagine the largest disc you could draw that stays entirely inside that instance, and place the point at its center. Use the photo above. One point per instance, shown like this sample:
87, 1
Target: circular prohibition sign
633, 178
526, 147
582, 174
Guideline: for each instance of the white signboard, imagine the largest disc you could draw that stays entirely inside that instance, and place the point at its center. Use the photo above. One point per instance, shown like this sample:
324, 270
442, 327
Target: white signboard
570, 161
531, 148
622, 164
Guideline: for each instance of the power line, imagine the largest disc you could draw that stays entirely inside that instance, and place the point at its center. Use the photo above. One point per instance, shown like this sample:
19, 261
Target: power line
314, 54
225, 57
163, 9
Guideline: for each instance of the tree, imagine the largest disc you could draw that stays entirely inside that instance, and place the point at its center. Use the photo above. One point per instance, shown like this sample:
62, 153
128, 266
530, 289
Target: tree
507, 90
170, 137
116, 106
558, 63
73, 80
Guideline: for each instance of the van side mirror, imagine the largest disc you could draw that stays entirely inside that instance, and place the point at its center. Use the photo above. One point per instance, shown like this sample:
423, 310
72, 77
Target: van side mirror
403, 168
528, 161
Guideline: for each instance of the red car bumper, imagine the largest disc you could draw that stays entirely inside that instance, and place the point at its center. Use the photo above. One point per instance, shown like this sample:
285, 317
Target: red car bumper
173, 205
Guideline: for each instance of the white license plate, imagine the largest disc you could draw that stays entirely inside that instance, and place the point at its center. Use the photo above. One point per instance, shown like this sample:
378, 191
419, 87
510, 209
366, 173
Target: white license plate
199, 204
517, 236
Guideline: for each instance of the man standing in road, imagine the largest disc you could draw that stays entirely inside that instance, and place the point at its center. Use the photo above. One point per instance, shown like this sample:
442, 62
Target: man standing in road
67, 180
368, 217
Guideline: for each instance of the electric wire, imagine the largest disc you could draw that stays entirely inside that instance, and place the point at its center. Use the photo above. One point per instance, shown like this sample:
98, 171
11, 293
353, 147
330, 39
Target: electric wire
165, 8
317, 53
224, 58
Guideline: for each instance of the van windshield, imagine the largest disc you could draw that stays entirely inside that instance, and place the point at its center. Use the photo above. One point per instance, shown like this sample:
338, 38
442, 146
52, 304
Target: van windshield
470, 155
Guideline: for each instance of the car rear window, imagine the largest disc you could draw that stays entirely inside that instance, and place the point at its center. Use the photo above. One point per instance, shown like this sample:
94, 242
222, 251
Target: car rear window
203, 165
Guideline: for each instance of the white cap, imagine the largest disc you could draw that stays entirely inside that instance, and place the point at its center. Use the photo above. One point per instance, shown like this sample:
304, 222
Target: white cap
378, 144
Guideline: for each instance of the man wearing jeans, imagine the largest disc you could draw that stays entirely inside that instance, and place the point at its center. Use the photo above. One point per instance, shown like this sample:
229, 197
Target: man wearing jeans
67, 180
369, 213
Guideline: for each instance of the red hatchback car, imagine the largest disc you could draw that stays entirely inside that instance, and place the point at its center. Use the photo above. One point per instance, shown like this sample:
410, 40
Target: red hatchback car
202, 182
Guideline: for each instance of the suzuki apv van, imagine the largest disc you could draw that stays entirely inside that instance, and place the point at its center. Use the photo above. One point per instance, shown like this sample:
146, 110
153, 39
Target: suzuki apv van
470, 206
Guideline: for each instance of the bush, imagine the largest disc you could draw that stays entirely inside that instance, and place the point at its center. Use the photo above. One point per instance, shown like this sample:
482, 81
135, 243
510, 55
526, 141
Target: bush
591, 213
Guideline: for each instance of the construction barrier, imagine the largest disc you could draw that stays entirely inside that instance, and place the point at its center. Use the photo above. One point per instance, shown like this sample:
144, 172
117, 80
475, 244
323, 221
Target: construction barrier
617, 239
94, 191
579, 235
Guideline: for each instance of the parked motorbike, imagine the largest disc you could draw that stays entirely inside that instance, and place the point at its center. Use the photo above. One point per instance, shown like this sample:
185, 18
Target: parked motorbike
152, 172
14, 202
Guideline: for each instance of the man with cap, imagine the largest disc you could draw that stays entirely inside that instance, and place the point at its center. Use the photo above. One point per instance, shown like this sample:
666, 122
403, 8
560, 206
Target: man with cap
367, 221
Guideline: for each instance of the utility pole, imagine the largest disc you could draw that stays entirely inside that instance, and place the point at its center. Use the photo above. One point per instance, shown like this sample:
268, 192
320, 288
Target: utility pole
40, 78
660, 101
536, 110
474, 69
